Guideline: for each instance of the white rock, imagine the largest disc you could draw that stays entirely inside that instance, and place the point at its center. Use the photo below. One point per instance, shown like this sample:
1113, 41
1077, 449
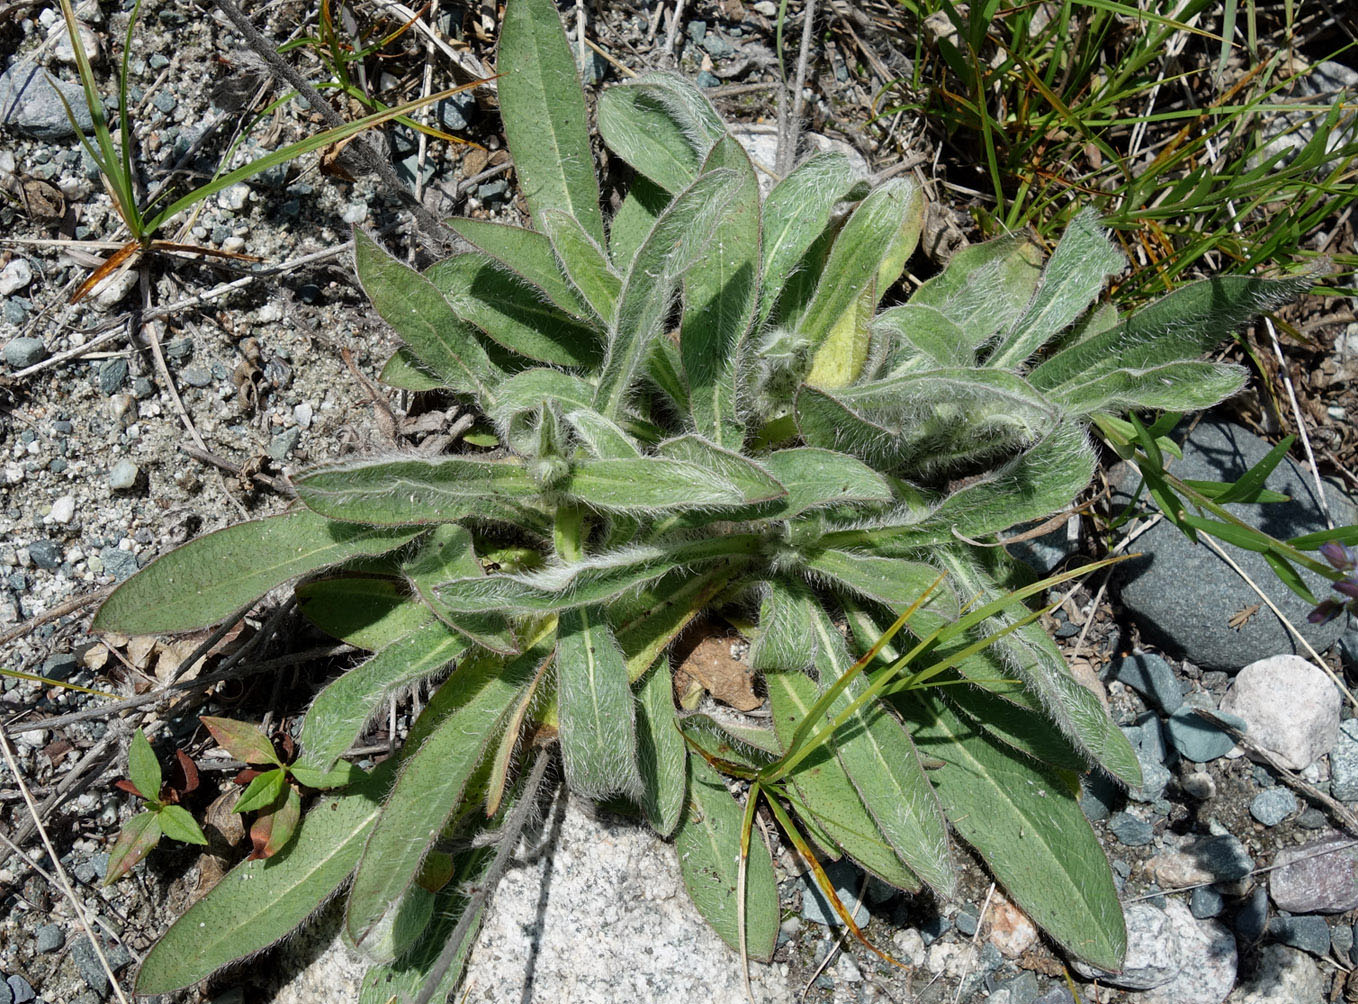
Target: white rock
63, 509
613, 923
234, 198
15, 276
910, 944
1291, 707
304, 413
1154, 955
64, 52
1173, 957
1285, 976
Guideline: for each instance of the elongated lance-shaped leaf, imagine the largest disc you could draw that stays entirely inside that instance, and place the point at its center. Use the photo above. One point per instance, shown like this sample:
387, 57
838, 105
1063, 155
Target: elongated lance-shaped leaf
217, 574
787, 637
648, 619
680, 237
1032, 486
715, 732
400, 981
1070, 283
526, 254
720, 296
1184, 386
929, 420
545, 121
1181, 326
596, 579
649, 485
594, 701
1024, 820
398, 492
641, 207
755, 484
337, 716
1034, 658
664, 370
417, 311
603, 438
662, 126
825, 791
1025, 731
662, 760
261, 901
448, 554
844, 349
922, 338
816, 479
894, 582
528, 390
465, 715
708, 843
514, 314
884, 767
584, 262
404, 371
366, 612
857, 254
796, 213
985, 287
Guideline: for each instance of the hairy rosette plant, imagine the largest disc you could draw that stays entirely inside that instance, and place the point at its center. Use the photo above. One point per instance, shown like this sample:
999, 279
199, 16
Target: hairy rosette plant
702, 413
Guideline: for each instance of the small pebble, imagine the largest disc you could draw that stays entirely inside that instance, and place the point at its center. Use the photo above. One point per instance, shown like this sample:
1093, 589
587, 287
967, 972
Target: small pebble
197, 376
63, 510
45, 554
1341, 940
118, 563
1310, 934
1205, 902
21, 353
112, 374
124, 476
706, 78
1151, 676
1200, 785
20, 988
1252, 917
1344, 763
1312, 819
1271, 807
282, 445
50, 937
1130, 830
966, 922
934, 928
1197, 739
15, 276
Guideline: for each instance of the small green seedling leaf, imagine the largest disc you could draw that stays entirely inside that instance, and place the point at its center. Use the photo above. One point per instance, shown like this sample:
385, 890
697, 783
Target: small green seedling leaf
138, 835
143, 769
178, 824
262, 791
242, 740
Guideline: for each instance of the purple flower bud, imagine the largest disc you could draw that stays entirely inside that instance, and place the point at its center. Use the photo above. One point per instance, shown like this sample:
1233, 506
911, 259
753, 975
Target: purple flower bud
1337, 555
1348, 587
1327, 611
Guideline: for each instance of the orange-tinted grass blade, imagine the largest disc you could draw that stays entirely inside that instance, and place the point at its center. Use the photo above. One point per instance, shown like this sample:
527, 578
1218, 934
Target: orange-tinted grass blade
716, 763
114, 262
823, 881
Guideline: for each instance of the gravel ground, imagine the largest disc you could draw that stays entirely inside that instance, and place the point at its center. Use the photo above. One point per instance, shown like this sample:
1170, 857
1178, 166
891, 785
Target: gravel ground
106, 460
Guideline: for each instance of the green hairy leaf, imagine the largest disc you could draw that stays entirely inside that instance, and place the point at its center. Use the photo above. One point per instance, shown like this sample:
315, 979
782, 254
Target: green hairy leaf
218, 574
712, 408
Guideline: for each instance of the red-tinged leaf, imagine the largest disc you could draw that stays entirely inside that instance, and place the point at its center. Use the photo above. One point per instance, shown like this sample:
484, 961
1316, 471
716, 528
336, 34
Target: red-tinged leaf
242, 740
262, 792
183, 775
125, 785
245, 776
138, 836
273, 830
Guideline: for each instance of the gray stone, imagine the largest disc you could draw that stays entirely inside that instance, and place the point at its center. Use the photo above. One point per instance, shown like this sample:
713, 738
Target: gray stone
934, 928
966, 922
1251, 920
1341, 940
124, 476
1283, 976
1344, 763
29, 103
601, 916
706, 78
1183, 594
49, 938
1312, 819
1130, 830
1200, 785
1154, 954
1151, 677
282, 445
1056, 995
1271, 807
112, 375
1172, 957
1197, 739
1224, 856
45, 554
455, 113
23, 352
1310, 934
118, 563
20, 989
1319, 877
1022, 988
1043, 553
1205, 902
197, 376
847, 880
6, 992
1348, 649
1291, 708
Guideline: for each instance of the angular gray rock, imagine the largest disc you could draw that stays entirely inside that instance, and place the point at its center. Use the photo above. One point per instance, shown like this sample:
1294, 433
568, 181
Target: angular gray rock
1172, 957
1284, 976
1184, 595
1291, 708
30, 105
1319, 877
1344, 763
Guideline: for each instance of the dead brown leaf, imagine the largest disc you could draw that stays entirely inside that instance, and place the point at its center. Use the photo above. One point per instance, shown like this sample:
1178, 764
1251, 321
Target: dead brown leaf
725, 677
